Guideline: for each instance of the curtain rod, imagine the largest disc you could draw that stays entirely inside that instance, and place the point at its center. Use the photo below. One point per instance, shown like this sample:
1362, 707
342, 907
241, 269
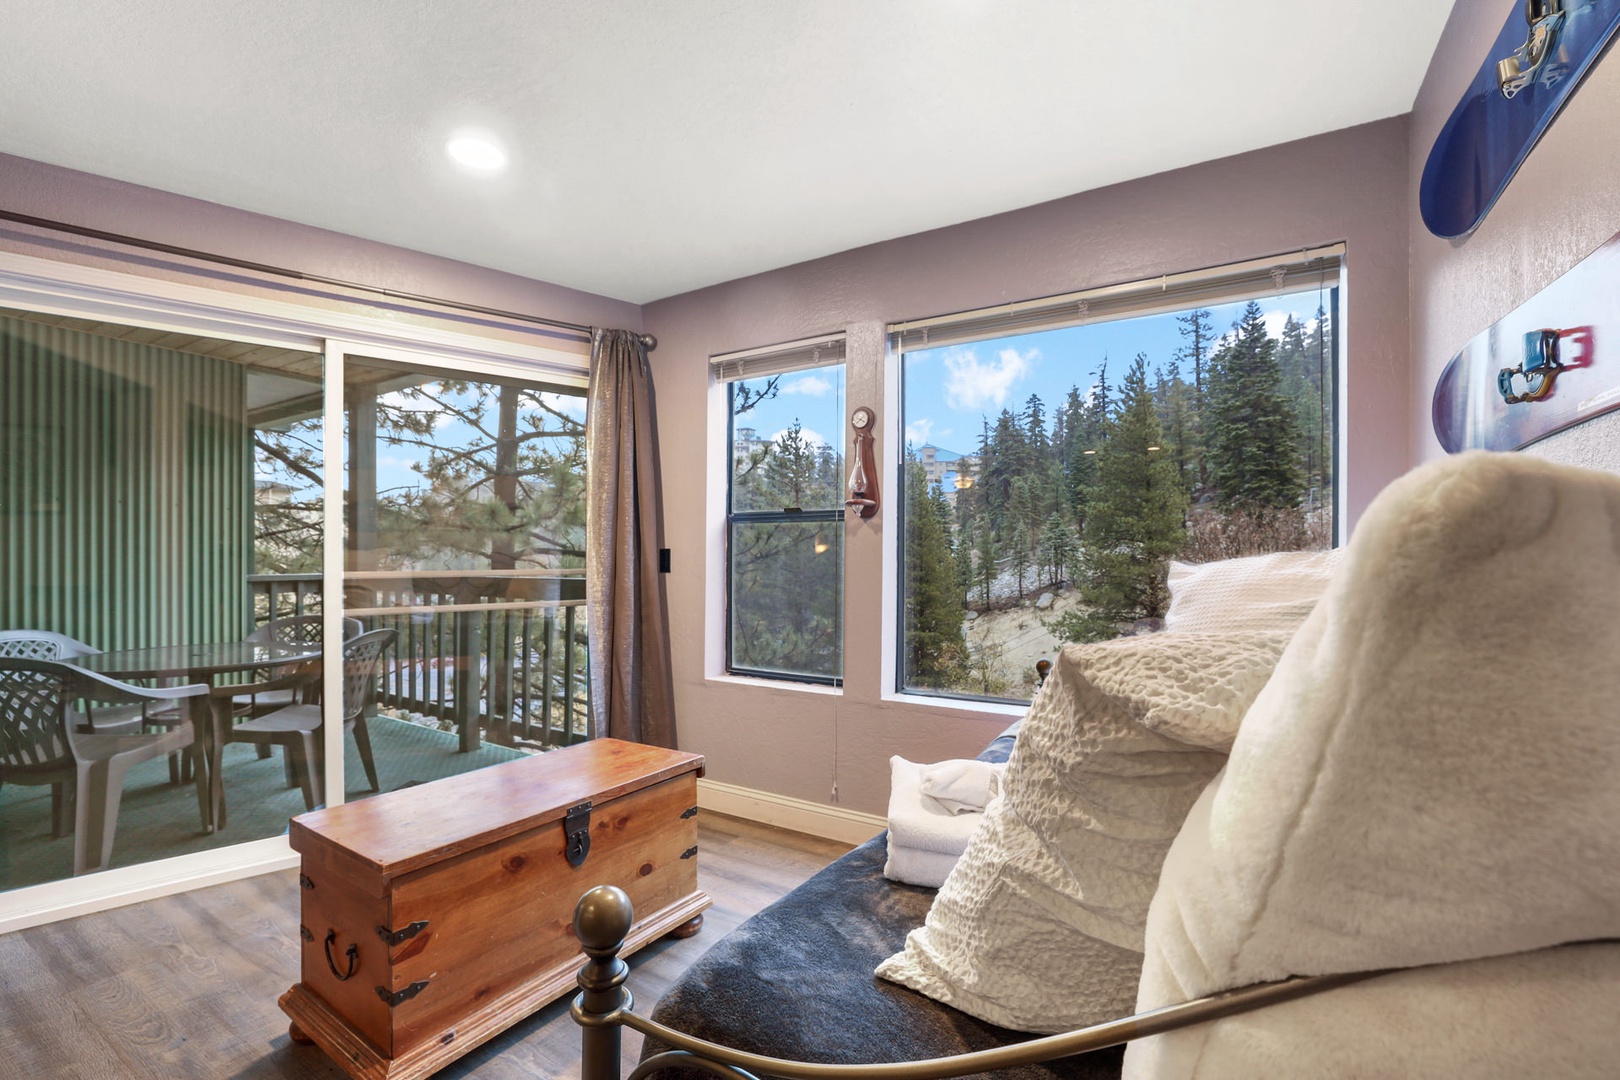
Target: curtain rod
584, 331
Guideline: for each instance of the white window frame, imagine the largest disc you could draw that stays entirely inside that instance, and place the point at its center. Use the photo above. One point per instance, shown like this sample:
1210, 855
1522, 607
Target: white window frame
803, 354
29, 283
1164, 294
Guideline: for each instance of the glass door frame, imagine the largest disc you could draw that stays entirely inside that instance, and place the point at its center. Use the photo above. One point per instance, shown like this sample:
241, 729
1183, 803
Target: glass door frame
432, 343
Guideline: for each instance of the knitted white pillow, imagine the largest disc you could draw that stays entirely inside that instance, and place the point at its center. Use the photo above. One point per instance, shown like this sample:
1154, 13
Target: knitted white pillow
1039, 926
1260, 592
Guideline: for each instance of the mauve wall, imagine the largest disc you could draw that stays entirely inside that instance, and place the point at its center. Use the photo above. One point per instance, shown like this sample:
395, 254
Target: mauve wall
58, 194
1350, 185
1563, 203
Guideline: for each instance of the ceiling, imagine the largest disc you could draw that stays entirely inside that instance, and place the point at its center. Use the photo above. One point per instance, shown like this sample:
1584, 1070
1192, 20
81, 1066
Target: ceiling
658, 146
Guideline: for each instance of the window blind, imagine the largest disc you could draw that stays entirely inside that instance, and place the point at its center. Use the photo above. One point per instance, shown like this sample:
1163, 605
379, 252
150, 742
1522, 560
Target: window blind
778, 359
1294, 272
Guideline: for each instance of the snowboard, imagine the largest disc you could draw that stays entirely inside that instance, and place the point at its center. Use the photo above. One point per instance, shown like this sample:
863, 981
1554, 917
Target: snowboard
1544, 50
1551, 363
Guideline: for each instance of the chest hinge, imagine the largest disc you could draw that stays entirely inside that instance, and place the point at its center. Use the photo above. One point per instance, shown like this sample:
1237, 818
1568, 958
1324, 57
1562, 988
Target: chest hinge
392, 999
690, 852
689, 812
402, 935
577, 828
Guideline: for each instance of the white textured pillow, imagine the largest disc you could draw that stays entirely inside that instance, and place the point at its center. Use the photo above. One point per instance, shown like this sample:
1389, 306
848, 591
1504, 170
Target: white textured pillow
1425, 779
1260, 592
1039, 927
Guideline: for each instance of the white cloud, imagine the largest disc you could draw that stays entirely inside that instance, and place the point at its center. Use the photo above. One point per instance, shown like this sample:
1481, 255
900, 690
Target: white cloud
1274, 322
917, 432
811, 436
974, 384
568, 404
813, 385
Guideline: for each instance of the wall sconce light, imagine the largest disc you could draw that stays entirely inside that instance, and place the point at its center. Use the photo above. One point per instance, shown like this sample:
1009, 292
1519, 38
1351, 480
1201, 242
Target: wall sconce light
863, 486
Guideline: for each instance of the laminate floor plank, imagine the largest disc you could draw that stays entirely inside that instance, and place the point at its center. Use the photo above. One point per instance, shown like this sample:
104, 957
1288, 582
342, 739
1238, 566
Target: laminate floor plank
185, 986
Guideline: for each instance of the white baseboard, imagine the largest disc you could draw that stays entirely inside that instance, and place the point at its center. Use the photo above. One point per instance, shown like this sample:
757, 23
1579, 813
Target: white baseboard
785, 812
70, 897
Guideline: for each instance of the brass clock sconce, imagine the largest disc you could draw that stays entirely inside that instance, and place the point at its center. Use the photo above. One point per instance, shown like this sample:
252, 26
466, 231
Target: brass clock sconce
863, 486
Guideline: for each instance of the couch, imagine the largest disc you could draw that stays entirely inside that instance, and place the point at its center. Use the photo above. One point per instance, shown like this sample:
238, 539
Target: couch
1421, 798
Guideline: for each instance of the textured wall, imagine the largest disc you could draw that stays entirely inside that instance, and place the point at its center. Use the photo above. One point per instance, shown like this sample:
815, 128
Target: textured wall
1349, 185
1563, 203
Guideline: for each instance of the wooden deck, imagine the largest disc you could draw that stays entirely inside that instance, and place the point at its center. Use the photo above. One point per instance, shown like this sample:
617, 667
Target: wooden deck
186, 986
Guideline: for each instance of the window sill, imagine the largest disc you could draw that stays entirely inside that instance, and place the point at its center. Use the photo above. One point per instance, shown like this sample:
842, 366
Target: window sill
776, 684
967, 705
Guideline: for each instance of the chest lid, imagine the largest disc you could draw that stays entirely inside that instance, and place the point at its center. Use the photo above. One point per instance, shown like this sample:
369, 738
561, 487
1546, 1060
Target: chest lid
391, 834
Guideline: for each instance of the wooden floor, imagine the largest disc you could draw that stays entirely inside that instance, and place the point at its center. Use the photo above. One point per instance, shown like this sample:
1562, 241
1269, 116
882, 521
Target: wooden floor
186, 986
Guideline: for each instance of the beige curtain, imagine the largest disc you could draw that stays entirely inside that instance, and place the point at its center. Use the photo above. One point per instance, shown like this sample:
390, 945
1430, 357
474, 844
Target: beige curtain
632, 689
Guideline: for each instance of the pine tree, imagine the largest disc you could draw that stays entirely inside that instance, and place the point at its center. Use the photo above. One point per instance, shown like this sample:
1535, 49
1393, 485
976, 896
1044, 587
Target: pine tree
1197, 336
1316, 416
1137, 520
1253, 450
985, 564
793, 474
934, 647
1018, 555
1087, 429
1056, 547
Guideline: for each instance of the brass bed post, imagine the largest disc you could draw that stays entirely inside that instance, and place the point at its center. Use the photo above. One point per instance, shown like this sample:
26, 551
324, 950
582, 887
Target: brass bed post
601, 920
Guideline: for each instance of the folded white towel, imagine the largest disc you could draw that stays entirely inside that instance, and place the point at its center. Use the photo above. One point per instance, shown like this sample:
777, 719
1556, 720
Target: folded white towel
912, 867
919, 822
962, 785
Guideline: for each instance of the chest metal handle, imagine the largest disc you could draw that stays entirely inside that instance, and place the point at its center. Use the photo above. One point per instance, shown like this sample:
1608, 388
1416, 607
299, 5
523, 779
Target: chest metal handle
352, 953
577, 827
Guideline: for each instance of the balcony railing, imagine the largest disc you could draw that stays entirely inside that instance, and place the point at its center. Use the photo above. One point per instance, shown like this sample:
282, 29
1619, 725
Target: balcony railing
489, 655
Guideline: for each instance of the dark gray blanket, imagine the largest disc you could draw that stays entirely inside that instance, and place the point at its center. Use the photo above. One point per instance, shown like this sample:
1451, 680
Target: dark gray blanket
796, 981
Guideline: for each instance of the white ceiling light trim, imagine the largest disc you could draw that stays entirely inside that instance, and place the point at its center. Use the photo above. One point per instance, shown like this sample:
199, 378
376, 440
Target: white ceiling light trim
476, 152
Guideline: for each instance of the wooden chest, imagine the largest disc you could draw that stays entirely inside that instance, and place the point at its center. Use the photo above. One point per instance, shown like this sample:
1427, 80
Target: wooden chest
436, 916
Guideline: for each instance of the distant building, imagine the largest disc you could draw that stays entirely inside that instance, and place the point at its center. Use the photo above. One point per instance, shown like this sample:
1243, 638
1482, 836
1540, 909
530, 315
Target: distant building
947, 468
746, 443
272, 493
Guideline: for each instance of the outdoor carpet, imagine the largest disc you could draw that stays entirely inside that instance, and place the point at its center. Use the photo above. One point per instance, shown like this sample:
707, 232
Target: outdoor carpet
157, 820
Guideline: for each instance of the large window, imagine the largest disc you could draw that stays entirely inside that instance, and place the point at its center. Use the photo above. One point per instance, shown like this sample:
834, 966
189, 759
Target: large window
1058, 456
785, 511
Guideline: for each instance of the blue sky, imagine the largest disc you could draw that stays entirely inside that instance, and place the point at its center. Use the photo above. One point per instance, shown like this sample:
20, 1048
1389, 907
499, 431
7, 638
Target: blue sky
814, 398
950, 391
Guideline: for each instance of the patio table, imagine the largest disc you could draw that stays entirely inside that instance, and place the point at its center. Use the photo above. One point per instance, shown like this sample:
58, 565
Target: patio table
208, 715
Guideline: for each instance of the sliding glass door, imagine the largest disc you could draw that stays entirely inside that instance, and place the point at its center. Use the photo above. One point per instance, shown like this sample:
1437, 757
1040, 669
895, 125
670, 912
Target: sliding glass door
464, 555
154, 489
208, 624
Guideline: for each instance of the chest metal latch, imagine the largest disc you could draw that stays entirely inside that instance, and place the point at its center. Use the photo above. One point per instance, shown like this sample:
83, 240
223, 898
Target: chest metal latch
577, 827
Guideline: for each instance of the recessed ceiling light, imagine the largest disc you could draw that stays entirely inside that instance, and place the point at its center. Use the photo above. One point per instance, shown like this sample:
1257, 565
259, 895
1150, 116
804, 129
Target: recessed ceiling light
476, 151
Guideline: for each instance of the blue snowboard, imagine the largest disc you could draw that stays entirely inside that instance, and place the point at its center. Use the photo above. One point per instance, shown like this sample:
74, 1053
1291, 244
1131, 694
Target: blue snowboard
1539, 58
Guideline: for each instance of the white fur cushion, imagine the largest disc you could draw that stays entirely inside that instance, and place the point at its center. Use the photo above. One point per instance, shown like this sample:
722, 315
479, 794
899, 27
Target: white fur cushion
1548, 1013
1039, 927
1430, 775
1260, 592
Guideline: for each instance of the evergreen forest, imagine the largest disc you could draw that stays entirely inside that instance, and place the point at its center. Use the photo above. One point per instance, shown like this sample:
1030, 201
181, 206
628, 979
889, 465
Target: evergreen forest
1223, 451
